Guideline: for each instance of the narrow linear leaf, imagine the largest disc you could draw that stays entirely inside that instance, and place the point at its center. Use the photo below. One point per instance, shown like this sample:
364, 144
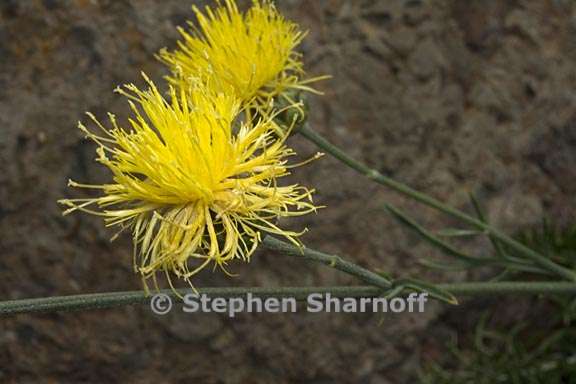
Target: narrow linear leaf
431, 289
384, 274
427, 235
480, 213
394, 292
445, 266
455, 232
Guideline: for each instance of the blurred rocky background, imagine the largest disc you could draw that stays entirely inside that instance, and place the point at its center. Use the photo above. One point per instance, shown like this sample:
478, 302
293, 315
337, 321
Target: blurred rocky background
451, 97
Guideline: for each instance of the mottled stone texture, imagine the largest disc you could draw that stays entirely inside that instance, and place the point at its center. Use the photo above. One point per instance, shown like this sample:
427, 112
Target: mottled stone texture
450, 97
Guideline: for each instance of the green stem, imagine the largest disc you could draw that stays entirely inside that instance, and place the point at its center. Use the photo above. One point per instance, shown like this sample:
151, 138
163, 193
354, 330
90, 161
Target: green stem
373, 174
117, 299
337, 262
333, 261
511, 287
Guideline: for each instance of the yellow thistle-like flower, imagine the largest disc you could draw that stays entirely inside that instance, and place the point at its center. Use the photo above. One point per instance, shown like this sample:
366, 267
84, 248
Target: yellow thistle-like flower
194, 185
250, 55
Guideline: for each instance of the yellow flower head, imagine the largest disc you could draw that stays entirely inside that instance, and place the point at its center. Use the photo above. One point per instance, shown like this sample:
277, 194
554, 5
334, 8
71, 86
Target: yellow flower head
194, 185
250, 55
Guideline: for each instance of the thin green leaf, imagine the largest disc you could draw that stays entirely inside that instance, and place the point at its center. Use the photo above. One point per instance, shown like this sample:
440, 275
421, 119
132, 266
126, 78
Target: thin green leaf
384, 274
445, 266
455, 232
394, 292
479, 212
427, 235
432, 290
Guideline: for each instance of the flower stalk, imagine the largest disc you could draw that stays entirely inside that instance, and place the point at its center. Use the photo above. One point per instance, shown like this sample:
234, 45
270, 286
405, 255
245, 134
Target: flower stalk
118, 299
333, 261
381, 286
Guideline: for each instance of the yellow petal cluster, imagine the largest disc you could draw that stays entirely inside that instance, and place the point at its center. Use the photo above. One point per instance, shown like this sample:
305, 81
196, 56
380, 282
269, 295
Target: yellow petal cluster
195, 172
193, 187
250, 55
